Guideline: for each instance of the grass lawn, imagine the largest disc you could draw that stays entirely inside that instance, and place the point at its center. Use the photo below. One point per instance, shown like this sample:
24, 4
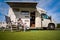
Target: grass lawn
31, 35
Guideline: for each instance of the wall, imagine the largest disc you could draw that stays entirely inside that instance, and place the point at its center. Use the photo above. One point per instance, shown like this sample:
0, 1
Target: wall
11, 15
38, 19
15, 15
24, 19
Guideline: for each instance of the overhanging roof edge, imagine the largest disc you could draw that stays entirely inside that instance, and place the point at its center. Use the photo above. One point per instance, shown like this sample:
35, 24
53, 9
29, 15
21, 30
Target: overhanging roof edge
20, 4
23, 1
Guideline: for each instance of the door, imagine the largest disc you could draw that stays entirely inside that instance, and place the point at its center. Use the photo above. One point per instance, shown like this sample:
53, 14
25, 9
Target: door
25, 16
45, 20
32, 19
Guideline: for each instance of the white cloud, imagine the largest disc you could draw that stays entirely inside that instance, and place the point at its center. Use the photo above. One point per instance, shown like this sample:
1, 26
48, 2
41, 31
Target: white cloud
44, 3
52, 12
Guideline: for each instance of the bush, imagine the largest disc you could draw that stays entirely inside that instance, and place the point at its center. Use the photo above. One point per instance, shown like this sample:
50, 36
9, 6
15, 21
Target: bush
58, 25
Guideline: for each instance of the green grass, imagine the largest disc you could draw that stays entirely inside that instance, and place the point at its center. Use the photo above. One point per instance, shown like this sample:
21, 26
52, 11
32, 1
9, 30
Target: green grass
31, 35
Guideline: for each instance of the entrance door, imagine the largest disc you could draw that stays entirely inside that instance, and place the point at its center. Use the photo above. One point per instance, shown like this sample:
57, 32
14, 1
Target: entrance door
25, 16
32, 19
45, 20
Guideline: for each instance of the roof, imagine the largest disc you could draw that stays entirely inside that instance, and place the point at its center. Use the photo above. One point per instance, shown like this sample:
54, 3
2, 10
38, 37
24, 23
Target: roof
41, 10
21, 0
22, 4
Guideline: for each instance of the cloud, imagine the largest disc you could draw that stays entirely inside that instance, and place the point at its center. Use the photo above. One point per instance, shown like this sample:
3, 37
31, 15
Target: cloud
52, 8
43, 3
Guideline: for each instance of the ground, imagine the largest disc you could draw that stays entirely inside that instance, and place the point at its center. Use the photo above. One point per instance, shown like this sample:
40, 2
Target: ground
31, 35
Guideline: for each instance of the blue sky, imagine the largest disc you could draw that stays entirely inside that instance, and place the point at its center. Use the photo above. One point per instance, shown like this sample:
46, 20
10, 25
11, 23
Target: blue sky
51, 6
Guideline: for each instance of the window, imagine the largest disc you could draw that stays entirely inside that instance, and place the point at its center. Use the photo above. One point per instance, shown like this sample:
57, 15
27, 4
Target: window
44, 16
24, 12
16, 9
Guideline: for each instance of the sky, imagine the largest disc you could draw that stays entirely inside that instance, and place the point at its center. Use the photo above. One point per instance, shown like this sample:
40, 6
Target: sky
52, 8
